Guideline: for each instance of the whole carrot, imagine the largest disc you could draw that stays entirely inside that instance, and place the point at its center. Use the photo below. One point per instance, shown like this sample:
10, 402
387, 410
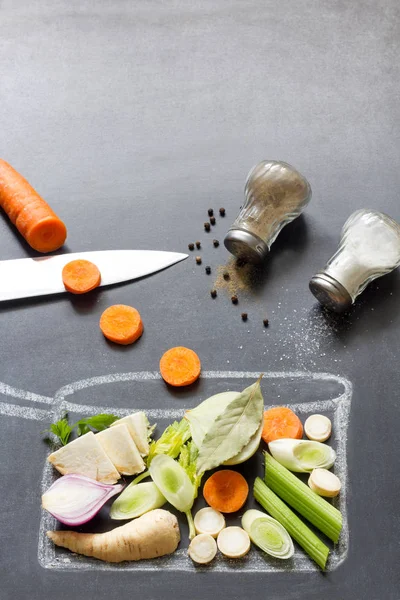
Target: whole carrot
31, 215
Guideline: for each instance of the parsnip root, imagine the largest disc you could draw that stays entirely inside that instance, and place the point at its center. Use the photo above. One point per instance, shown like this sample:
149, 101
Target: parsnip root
154, 534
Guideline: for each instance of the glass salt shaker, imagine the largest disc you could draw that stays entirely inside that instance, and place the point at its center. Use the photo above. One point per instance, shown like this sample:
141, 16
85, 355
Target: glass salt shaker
369, 248
275, 194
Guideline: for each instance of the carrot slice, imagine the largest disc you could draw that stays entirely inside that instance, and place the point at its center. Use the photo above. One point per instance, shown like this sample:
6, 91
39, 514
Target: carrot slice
121, 324
226, 491
281, 422
80, 276
180, 366
31, 215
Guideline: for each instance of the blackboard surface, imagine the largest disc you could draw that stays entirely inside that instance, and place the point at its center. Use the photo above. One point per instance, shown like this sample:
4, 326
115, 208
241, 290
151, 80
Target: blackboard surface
132, 119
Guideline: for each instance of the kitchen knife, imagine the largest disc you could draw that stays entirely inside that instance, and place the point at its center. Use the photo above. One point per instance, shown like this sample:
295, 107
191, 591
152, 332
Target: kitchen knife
27, 277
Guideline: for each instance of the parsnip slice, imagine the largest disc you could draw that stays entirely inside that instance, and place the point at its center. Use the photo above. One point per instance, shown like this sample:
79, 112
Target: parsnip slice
210, 521
202, 549
233, 542
324, 483
318, 428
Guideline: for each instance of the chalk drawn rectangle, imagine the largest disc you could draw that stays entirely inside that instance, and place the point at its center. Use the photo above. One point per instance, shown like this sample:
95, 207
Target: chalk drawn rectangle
318, 392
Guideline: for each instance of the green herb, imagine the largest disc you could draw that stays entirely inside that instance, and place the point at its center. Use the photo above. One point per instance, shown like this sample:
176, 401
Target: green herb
171, 441
232, 429
62, 430
202, 417
296, 493
96, 423
187, 460
316, 549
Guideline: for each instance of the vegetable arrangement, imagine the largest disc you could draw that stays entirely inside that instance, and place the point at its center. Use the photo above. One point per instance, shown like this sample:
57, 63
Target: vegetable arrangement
223, 430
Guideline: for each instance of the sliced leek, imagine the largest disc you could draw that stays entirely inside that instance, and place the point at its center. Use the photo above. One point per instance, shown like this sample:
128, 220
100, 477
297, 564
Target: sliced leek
136, 500
296, 493
302, 456
268, 534
175, 484
299, 531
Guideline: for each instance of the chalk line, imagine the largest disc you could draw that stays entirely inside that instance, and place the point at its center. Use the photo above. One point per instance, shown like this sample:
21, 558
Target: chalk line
8, 390
24, 412
338, 408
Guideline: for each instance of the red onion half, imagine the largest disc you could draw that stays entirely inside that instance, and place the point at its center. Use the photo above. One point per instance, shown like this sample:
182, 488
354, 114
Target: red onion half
75, 499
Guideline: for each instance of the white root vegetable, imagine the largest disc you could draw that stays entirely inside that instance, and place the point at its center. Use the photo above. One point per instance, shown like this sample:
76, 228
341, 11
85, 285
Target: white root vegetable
233, 542
318, 428
117, 443
324, 483
202, 549
154, 534
210, 521
85, 456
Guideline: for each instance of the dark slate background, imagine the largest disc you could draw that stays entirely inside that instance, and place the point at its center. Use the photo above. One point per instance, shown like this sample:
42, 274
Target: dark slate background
132, 118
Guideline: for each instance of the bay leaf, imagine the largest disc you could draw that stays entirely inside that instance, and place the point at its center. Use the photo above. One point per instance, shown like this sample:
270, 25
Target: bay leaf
232, 429
202, 417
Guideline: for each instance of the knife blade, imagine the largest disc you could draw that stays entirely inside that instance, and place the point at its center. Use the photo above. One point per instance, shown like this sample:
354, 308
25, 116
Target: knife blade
28, 277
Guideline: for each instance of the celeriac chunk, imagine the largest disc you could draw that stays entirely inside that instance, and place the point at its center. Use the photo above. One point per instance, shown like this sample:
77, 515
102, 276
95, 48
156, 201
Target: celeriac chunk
117, 443
85, 456
138, 427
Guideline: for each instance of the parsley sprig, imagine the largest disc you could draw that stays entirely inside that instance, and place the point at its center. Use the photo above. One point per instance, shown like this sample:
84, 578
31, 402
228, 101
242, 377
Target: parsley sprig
63, 430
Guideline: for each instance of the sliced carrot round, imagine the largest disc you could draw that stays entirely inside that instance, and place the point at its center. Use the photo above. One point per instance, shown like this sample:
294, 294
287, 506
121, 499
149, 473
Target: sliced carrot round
180, 366
80, 276
121, 324
226, 491
281, 422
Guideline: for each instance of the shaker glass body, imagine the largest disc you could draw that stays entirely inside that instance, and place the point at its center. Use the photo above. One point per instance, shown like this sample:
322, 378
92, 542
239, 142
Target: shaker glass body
275, 194
369, 248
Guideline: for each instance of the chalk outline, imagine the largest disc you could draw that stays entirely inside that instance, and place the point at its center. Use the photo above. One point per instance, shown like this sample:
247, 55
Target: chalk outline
178, 561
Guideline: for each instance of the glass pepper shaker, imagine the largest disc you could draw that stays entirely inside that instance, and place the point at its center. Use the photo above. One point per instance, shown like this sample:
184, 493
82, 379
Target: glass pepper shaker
369, 248
275, 194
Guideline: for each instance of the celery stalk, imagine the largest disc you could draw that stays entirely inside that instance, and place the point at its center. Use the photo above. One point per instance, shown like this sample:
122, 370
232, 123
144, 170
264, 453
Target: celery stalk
295, 527
298, 495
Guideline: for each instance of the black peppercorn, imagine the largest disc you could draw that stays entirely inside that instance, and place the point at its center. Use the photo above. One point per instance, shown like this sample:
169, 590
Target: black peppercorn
226, 275
234, 299
222, 212
244, 316
210, 212
213, 293
191, 246
266, 322
207, 226
216, 243
212, 220
198, 260
198, 245
208, 270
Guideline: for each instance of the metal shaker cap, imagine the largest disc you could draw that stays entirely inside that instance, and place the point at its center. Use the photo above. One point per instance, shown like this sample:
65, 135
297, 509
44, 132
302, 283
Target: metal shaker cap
330, 293
245, 245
